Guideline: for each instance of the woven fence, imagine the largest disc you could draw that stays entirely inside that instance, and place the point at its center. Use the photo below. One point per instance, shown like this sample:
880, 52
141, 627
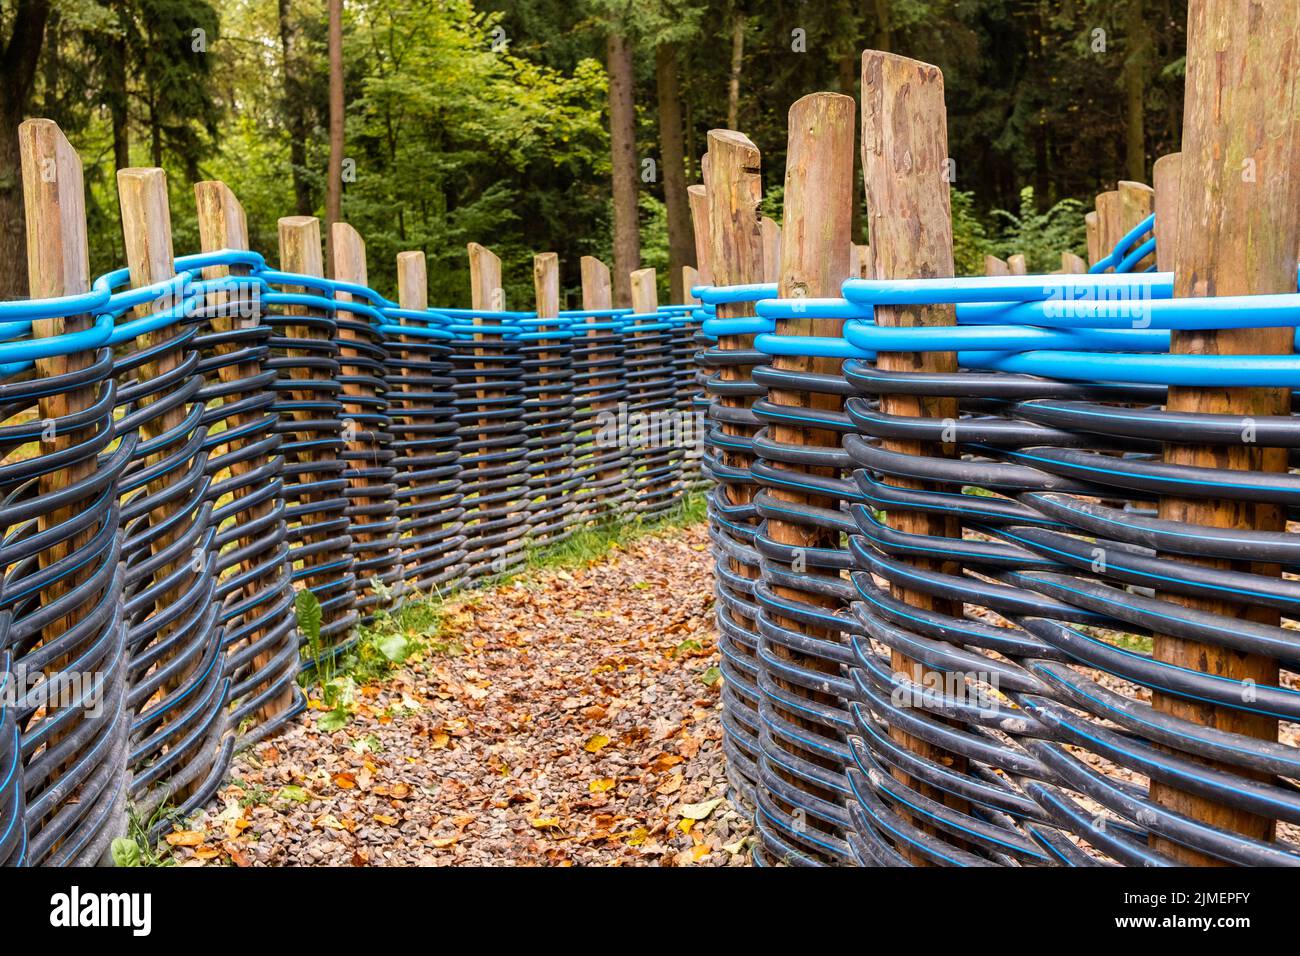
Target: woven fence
187, 444
1005, 575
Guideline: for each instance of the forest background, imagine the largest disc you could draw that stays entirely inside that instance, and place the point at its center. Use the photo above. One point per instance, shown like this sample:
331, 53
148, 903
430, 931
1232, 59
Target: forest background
570, 126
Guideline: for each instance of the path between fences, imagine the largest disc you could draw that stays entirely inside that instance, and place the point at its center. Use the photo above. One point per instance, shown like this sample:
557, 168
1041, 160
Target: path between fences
572, 717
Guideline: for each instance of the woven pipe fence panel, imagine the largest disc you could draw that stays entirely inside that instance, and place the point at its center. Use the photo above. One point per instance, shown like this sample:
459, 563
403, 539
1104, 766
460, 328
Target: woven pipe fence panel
187, 456
1034, 734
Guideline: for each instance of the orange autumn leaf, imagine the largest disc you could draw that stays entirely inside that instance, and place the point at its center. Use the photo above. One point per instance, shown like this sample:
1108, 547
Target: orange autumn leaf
185, 838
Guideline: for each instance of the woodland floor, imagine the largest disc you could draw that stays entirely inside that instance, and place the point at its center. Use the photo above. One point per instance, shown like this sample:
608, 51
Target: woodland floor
571, 716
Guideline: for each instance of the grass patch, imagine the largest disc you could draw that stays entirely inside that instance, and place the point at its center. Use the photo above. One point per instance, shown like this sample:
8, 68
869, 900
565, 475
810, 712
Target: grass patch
595, 541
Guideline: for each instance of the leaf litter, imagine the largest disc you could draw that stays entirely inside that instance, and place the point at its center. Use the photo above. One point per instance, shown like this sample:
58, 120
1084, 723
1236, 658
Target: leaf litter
570, 718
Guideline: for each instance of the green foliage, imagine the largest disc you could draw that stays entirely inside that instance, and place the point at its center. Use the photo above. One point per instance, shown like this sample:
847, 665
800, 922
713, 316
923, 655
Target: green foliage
970, 241
1041, 236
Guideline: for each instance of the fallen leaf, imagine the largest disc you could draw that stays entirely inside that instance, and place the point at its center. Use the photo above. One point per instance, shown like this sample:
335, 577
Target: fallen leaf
699, 811
595, 743
601, 785
185, 838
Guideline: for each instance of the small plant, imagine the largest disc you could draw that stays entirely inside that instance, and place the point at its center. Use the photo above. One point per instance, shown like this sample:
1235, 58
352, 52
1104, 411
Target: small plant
137, 848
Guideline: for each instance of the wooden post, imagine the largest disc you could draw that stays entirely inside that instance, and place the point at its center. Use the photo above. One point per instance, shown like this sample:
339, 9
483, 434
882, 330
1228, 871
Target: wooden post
487, 295
58, 265
1165, 174
1110, 228
690, 279
598, 296
815, 261
735, 190
993, 266
645, 294
147, 238
1238, 232
1094, 238
698, 197
1136, 202
1072, 264
370, 503
771, 249
904, 149
645, 301
223, 225
1017, 265
300, 252
556, 452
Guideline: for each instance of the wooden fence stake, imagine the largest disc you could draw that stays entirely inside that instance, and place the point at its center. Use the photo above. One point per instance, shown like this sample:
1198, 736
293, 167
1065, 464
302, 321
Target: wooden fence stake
771, 249
223, 225
1238, 232
904, 148
814, 262
597, 296
1165, 174
1094, 237
318, 528
147, 238
370, 502
734, 186
699, 201
1110, 228
58, 265
556, 454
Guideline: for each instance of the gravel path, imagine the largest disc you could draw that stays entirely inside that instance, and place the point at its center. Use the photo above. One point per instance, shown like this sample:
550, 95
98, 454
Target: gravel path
572, 718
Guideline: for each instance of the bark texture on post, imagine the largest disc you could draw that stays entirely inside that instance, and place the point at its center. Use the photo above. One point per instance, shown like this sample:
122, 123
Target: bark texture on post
904, 150
1238, 232
814, 260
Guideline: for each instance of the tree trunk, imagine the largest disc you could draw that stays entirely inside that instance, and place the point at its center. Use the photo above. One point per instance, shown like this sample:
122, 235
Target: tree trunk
115, 80
622, 147
737, 63
884, 27
681, 241
295, 120
1135, 154
334, 178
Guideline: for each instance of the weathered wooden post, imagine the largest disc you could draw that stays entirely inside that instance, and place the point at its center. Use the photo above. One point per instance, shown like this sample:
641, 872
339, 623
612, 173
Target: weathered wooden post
424, 439
771, 249
58, 266
1016, 264
500, 522
1110, 222
254, 484
699, 202
309, 418
1136, 202
1093, 226
993, 266
367, 445
734, 189
172, 557
1166, 174
904, 150
1072, 264
1238, 232
548, 413
815, 261
652, 394
605, 378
